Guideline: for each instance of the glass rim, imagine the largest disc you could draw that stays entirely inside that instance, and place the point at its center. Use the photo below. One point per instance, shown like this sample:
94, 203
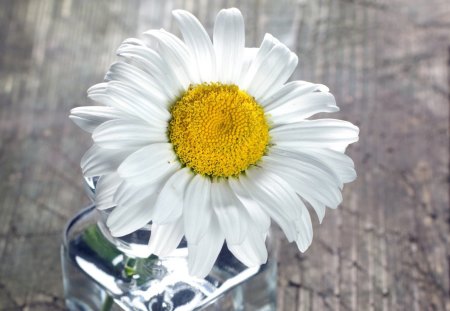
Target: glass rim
69, 224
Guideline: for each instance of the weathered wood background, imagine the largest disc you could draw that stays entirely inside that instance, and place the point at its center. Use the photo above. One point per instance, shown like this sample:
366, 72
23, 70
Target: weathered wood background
387, 61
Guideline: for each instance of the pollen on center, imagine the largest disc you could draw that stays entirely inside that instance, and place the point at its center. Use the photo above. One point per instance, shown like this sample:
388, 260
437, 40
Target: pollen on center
218, 130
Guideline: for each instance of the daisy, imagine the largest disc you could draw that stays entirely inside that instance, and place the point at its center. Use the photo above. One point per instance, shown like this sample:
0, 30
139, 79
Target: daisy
206, 139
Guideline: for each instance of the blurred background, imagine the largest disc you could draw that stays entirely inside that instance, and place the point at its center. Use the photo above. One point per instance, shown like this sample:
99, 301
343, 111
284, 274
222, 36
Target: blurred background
386, 61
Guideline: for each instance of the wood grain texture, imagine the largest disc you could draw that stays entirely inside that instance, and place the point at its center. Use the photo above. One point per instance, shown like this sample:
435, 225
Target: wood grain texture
386, 61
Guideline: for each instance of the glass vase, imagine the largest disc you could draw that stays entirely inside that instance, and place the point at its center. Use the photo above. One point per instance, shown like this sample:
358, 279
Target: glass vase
105, 273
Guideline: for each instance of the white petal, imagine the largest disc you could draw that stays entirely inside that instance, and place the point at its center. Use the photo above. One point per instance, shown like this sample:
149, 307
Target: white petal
259, 217
118, 134
249, 57
169, 205
337, 163
165, 238
277, 191
104, 191
303, 107
177, 56
149, 163
197, 210
266, 46
307, 185
230, 212
252, 252
203, 255
126, 219
130, 102
322, 133
273, 195
89, 117
307, 163
229, 42
98, 161
289, 92
137, 53
278, 66
327, 184
131, 194
305, 230
98, 93
199, 43
318, 207
272, 66
341, 164
128, 99
140, 80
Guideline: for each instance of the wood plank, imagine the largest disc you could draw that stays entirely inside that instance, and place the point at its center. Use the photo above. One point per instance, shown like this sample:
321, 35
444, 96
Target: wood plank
387, 63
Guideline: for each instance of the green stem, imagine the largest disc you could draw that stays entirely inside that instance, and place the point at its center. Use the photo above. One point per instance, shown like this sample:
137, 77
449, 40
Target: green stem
130, 266
107, 304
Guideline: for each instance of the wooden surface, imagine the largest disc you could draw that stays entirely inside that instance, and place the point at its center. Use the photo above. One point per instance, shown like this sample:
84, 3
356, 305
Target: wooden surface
387, 62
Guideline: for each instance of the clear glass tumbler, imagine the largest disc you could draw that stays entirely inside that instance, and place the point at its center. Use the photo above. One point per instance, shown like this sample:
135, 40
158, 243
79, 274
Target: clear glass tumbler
105, 273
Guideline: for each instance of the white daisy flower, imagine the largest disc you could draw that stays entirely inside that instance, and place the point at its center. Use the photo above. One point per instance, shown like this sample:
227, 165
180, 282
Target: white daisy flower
205, 139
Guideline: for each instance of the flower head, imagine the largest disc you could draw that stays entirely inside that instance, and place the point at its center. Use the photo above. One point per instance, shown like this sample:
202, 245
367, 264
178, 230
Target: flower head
207, 140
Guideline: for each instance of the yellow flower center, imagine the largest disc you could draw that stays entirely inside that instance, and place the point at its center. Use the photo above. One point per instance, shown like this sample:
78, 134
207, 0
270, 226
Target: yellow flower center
218, 130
